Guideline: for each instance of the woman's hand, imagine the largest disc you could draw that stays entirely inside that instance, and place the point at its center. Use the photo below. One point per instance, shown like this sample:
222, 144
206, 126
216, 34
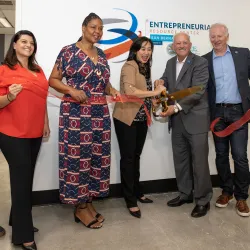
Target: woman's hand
14, 90
115, 93
46, 130
159, 89
78, 95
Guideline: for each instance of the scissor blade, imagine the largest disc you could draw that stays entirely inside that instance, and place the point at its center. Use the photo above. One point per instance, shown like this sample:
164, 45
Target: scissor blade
185, 92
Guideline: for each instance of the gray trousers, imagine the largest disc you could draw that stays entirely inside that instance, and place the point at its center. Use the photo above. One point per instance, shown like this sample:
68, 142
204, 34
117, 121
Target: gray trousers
190, 154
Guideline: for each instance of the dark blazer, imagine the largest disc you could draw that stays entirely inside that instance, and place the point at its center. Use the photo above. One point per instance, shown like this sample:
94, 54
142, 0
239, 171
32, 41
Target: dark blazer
195, 113
241, 57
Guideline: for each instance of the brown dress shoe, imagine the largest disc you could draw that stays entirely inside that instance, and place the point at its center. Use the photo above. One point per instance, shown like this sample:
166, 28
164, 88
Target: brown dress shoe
2, 231
242, 208
223, 200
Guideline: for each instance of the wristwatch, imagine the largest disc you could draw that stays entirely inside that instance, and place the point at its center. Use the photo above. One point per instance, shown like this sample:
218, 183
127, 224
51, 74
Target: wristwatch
176, 110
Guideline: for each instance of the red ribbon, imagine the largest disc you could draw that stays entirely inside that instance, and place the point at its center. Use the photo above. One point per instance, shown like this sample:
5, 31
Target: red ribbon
92, 100
232, 127
108, 99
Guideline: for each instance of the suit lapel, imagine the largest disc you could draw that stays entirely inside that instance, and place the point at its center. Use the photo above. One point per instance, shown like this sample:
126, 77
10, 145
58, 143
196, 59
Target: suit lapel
211, 66
185, 67
174, 71
236, 58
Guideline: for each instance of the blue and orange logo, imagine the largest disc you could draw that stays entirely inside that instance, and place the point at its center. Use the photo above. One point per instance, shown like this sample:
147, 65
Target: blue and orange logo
126, 37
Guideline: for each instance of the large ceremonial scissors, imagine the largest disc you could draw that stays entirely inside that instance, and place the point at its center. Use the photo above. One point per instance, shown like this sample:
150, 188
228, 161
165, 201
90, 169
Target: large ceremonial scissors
164, 98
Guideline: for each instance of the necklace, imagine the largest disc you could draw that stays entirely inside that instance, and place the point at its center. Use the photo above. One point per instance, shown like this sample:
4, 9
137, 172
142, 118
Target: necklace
84, 49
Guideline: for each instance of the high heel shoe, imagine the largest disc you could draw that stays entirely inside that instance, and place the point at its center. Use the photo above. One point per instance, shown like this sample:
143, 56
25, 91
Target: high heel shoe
30, 247
136, 214
77, 220
98, 215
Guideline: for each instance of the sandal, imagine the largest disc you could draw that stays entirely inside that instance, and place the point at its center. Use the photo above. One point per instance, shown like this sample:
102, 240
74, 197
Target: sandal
77, 220
98, 215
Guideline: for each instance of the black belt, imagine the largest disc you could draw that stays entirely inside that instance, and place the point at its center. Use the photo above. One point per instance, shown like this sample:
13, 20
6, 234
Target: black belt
227, 105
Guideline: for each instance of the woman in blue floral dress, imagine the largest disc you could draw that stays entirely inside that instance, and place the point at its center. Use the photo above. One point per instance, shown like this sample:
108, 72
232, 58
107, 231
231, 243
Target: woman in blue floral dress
84, 122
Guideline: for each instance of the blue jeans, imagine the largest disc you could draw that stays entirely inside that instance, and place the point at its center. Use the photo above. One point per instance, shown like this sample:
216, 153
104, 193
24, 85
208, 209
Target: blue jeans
238, 141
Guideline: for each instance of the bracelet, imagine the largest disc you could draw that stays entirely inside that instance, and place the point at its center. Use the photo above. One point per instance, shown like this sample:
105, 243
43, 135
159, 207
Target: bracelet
8, 98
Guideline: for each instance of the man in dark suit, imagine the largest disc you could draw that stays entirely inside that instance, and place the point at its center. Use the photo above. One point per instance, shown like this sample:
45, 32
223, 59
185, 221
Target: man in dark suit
190, 125
229, 98
2, 231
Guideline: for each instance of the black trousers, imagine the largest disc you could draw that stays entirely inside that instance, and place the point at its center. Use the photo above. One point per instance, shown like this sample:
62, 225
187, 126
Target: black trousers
131, 140
238, 141
21, 155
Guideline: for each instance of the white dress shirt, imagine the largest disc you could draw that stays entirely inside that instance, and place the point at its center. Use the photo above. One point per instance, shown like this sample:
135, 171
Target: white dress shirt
179, 66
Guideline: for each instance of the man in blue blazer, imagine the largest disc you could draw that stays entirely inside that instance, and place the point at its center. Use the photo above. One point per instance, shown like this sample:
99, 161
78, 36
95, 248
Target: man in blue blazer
229, 98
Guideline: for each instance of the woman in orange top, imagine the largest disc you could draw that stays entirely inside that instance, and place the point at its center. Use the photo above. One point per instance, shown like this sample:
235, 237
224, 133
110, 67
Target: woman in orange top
24, 121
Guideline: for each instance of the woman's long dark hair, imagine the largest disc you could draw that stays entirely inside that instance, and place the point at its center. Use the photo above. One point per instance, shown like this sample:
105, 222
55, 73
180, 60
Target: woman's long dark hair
11, 59
87, 19
144, 69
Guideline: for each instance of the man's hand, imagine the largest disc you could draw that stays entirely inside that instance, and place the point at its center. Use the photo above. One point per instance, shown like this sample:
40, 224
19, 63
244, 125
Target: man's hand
158, 82
169, 112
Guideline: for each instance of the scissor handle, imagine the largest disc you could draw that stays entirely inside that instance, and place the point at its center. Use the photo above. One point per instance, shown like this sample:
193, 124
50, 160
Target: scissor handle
164, 94
161, 100
164, 105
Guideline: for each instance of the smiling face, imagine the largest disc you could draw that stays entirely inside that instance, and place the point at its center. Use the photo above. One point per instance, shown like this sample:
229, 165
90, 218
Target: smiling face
93, 31
145, 52
218, 37
24, 46
182, 45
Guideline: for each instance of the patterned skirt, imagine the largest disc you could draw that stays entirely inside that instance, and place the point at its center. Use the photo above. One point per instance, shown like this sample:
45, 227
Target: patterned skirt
84, 152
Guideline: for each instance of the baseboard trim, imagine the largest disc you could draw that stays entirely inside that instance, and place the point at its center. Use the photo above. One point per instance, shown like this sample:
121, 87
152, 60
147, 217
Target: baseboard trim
155, 186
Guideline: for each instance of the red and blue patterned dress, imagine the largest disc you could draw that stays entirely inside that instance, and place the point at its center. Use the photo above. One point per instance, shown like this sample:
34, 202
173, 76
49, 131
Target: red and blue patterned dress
84, 129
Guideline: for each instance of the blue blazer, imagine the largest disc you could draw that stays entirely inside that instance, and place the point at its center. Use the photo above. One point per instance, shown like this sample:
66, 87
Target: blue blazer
241, 57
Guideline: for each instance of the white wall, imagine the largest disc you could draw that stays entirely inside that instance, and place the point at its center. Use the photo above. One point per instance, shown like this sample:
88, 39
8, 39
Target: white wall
58, 23
7, 39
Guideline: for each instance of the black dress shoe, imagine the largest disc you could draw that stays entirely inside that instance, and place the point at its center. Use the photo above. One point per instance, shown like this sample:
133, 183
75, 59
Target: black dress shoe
30, 247
136, 214
200, 211
2, 231
146, 200
176, 202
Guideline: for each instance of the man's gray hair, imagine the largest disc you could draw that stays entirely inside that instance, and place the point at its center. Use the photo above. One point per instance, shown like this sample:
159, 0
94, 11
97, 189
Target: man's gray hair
181, 33
219, 25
